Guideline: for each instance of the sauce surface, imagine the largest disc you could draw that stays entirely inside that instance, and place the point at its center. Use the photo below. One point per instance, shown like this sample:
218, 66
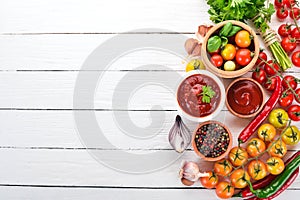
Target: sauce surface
244, 97
190, 99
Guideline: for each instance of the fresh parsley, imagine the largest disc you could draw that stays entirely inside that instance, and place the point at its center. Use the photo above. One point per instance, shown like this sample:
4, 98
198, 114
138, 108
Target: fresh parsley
207, 93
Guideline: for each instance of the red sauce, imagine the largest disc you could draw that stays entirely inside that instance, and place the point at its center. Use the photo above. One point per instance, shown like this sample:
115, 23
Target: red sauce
244, 97
190, 99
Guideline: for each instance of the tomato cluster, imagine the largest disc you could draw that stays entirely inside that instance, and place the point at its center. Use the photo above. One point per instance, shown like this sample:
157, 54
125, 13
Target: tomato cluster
244, 164
235, 54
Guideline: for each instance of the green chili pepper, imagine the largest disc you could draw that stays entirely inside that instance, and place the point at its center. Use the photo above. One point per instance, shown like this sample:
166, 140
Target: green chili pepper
226, 29
213, 43
234, 30
278, 182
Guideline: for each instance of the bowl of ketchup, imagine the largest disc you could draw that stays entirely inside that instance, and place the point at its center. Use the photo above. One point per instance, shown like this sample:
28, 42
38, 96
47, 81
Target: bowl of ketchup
244, 97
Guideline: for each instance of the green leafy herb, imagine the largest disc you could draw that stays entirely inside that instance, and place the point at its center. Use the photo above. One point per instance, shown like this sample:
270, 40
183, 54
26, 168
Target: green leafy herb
234, 30
226, 29
207, 93
213, 43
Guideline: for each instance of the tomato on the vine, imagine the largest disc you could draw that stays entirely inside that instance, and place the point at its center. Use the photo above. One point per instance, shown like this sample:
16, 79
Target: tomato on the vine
229, 51
289, 44
291, 81
295, 13
294, 112
278, 149
259, 75
284, 30
278, 118
243, 39
270, 84
275, 165
286, 99
266, 132
295, 34
243, 57
282, 13
297, 96
289, 3
216, 60
222, 167
209, 181
239, 178
291, 135
296, 58
257, 169
262, 58
271, 68
255, 147
224, 190
279, 3
238, 156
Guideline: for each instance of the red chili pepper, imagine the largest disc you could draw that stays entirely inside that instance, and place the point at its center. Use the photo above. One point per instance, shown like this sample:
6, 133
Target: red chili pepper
269, 105
263, 182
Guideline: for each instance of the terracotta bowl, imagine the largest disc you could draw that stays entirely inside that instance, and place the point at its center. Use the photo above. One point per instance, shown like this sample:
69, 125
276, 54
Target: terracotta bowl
245, 97
223, 73
209, 152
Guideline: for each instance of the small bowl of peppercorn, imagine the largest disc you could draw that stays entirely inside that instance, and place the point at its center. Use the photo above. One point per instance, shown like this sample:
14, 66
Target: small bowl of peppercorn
212, 140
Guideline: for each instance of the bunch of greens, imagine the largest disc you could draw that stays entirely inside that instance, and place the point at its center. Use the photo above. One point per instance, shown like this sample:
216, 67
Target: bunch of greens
258, 11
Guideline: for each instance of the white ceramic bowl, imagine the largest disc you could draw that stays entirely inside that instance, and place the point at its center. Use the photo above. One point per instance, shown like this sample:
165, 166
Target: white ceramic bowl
221, 98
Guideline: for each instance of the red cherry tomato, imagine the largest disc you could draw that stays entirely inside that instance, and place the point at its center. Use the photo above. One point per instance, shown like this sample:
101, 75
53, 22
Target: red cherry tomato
296, 13
262, 57
286, 98
282, 13
296, 58
294, 112
296, 34
279, 3
271, 68
289, 3
284, 30
289, 44
243, 57
216, 60
290, 80
259, 75
297, 98
270, 84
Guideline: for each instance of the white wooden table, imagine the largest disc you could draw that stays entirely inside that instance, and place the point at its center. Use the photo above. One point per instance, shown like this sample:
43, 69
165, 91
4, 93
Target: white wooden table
43, 47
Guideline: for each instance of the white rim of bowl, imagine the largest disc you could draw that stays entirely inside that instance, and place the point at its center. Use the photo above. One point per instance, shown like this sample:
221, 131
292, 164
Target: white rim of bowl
221, 103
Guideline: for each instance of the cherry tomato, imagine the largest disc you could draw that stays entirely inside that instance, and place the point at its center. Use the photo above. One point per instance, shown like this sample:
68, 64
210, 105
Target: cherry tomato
238, 156
229, 51
271, 68
257, 169
286, 99
210, 181
297, 98
294, 112
194, 64
291, 135
243, 57
278, 149
282, 13
296, 58
289, 3
222, 167
239, 178
262, 58
259, 75
295, 13
270, 84
289, 44
230, 65
243, 39
255, 147
291, 81
278, 118
284, 30
279, 3
224, 190
295, 34
216, 60
275, 165
266, 132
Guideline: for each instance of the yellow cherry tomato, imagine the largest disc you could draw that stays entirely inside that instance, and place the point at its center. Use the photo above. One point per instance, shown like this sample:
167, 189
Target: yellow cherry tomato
275, 165
239, 178
291, 135
266, 132
278, 149
194, 64
229, 51
255, 147
278, 118
238, 156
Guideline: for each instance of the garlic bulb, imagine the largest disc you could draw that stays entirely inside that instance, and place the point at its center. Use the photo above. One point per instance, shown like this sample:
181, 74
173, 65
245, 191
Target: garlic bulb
191, 171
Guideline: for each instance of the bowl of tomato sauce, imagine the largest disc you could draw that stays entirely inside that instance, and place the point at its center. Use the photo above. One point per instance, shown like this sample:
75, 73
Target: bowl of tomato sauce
200, 95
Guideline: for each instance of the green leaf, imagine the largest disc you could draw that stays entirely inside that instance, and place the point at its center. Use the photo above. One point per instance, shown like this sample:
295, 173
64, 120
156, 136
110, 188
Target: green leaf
213, 43
207, 94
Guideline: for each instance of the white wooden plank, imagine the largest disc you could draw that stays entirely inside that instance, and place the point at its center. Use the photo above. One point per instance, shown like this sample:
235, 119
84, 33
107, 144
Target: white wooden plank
68, 167
100, 16
16, 193
55, 90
